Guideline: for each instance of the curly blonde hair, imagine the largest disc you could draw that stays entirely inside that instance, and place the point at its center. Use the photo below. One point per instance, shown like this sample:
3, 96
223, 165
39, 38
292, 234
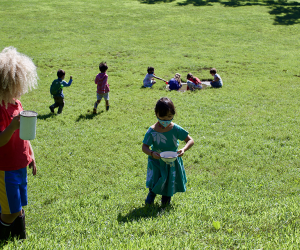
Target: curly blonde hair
17, 75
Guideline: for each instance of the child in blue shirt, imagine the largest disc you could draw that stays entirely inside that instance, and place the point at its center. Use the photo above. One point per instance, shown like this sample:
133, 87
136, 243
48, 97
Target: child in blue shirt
59, 96
217, 82
148, 80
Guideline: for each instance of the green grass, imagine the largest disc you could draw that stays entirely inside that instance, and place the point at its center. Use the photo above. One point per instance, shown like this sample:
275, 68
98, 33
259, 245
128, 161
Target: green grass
243, 171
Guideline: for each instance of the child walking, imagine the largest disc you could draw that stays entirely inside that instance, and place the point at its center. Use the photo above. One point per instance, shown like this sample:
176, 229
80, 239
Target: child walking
193, 82
148, 80
56, 90
162, 178
102, 87
17, 75
217, 82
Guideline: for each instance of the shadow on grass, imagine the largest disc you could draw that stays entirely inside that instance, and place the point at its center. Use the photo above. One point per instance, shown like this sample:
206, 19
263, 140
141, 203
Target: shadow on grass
88, 116
136, 214
286, 13
44, 117
156, 1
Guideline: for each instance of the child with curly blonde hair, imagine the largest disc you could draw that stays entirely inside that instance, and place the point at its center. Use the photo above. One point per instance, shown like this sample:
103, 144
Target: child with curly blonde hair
17, 76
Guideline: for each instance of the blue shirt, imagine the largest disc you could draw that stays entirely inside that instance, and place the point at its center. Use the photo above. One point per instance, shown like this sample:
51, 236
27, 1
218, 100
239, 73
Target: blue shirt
65, 84
174, 85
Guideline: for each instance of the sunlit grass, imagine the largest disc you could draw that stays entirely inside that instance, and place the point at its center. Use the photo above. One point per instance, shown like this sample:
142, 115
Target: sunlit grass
243, 171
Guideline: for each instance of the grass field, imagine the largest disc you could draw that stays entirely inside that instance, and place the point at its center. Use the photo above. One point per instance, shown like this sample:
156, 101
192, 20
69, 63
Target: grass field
243, 171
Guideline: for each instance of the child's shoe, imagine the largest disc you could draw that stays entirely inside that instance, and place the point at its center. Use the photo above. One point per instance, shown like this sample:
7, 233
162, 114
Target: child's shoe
18, 227
150, 198
165, 200
51, 109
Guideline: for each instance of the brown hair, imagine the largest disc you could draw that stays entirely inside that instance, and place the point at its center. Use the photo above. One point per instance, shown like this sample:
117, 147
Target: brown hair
213, 71
60, 73
150, 69
163, 106
103, 67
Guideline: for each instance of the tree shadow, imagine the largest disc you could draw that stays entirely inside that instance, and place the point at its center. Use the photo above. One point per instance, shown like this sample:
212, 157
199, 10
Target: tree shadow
286, 13
88, 116
145, 211
156, 1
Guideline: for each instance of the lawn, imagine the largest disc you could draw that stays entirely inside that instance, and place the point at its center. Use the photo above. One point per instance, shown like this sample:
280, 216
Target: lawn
244, 169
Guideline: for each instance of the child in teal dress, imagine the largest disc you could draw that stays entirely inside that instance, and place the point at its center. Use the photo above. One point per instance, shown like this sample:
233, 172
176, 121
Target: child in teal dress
165, 179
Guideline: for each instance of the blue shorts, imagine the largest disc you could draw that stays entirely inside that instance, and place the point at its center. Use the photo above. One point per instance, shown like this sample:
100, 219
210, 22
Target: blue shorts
105, 96
13, 190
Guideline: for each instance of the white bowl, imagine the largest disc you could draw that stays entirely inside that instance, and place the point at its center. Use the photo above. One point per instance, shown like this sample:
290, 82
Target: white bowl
168, 156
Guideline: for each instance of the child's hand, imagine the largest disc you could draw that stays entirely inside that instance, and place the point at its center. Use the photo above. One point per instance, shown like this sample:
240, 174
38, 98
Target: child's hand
33, 166
156, 155
180, 152
71, 77
15, 123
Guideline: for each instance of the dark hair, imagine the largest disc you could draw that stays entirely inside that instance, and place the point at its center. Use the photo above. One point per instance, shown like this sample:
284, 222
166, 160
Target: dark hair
189, 75
163, 106
213, 71
103, 67
150, 69
60, 73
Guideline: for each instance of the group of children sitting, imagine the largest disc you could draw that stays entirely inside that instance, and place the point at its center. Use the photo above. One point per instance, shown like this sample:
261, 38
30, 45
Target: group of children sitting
175, 83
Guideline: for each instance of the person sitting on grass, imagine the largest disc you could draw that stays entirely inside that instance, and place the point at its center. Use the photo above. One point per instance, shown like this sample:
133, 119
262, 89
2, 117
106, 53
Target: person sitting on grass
217, 82
175, 83
17, 75
162, 178
148, 80
102, 87
56, 90
193, 82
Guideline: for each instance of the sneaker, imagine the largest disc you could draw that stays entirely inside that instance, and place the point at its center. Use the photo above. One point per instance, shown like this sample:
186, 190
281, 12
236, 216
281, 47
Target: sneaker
94, 111
51, 109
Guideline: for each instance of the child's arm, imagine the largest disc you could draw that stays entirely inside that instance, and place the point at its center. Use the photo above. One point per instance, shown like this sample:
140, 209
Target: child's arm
189, 143
159, 78
7, 133
69, 83
32, 164
147, 151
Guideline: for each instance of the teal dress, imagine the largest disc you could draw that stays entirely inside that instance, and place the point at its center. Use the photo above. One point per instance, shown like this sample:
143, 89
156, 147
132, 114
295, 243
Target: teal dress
165, 179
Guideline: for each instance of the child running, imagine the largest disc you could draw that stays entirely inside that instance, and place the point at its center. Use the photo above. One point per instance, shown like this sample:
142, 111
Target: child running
217, 82
193, 82
102, 87
17, 75
56, 90
162, 178
149, 81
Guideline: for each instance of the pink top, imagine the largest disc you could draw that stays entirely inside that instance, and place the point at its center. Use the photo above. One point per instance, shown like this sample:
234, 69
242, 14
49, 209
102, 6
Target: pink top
195, 80
102, 85
15, 154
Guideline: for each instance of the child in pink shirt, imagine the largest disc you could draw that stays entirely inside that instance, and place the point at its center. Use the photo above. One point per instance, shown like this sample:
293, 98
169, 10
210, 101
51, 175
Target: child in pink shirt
102, 87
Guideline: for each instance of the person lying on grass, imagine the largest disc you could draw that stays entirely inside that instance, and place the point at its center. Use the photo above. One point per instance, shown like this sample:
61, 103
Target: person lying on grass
17, 75
162, 178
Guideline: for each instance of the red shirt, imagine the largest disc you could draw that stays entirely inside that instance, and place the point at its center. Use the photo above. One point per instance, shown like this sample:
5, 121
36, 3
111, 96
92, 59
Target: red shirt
15, 154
